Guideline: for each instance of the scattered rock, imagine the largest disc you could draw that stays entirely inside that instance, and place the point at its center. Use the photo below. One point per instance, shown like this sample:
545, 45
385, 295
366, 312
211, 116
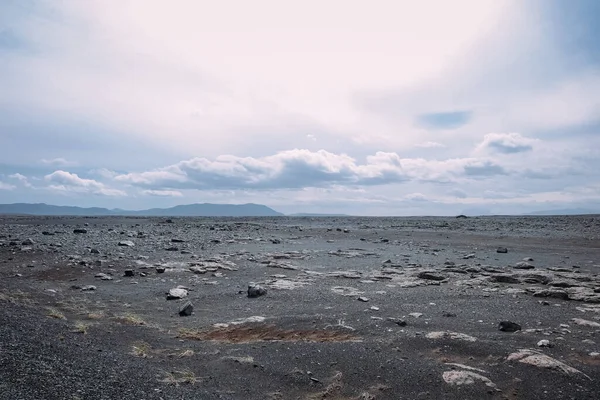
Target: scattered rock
172, 248
27, 242
523, 265
450, 335
160, 270
126, 243
346, 291
503, 278
79, 231
255, 290
88, 288
363, 299
533, 357
177, 293
536, 278
429, 275
501, 250
241, 321
508, 326
459, 378
554, 293
198, 270
103, 276
128, 272
186, 309
544, 343
449, 315
286, 284
397, 321
585, 322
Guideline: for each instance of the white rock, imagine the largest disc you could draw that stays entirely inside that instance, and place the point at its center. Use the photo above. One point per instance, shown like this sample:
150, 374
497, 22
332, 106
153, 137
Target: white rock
240, 321
463, 366
346, 291
544, 343
585, 322
459, 378
537, 359
177, 293
450, 335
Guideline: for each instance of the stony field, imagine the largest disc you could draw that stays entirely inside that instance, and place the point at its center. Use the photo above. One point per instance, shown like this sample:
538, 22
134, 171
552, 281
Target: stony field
300, 308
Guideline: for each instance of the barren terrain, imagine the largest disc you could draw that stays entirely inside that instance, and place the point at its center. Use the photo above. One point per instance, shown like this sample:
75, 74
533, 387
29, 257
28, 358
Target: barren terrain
355, 308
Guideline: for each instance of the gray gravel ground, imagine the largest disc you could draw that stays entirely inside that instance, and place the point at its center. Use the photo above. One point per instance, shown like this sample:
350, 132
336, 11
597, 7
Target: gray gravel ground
434, 291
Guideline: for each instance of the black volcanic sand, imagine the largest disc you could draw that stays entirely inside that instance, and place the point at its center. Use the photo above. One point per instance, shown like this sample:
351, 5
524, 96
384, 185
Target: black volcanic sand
435, 290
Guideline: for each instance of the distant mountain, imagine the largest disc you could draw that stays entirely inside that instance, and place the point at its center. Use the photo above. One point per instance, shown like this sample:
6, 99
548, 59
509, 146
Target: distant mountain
565, 211
47, 209
189, 210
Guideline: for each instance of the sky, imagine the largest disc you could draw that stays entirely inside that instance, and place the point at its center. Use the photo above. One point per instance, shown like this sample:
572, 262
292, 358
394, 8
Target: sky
386, 107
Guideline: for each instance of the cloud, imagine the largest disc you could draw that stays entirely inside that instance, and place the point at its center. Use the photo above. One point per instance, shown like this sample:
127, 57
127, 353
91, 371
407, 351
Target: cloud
484, 168
506, 143
67, 182
430, 145
58, 162
261, 77
416, 197
6, 186
22, 179
163, 193
301, 168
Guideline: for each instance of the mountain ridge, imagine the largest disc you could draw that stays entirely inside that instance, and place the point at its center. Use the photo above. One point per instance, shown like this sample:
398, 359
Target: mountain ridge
184, 210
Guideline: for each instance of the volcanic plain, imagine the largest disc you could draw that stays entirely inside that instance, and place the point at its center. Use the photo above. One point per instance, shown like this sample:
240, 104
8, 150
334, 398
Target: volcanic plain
300, 308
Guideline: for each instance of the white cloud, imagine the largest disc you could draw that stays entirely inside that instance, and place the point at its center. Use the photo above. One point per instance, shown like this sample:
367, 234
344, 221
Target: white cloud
416, 197
67, 182
429, 145
197, 69
104, 173
6, 186
163, 193
506, 143
303, 168
22, 179
58, 162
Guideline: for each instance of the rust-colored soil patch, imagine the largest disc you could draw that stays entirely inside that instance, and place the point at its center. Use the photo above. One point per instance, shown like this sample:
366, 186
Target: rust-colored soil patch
263, 332
585, 359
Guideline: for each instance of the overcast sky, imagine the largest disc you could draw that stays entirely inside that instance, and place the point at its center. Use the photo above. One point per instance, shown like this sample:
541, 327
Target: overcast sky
371, 108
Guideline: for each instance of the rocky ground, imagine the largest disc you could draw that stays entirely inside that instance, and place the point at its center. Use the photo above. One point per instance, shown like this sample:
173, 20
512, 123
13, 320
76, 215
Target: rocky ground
300, 308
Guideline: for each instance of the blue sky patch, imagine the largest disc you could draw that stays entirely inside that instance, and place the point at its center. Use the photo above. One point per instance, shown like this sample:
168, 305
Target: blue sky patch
445, 120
